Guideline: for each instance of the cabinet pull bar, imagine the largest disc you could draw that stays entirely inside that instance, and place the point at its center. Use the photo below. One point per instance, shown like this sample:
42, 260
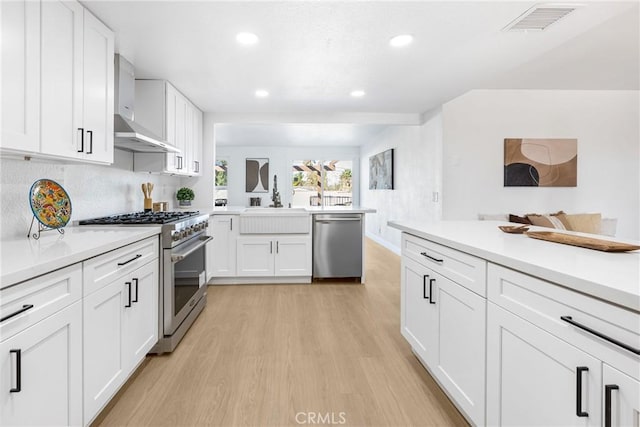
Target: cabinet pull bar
231, 224
627, 347
90, 132
430, 257
81, 140
424, 286
128, 304
278, 247
135, 280
270, 247
431, 300
24, 308
18, 386
579, 371
120, 264
607, 403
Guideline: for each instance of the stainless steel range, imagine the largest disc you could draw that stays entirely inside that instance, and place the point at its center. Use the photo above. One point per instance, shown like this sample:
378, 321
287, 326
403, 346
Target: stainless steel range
183, 291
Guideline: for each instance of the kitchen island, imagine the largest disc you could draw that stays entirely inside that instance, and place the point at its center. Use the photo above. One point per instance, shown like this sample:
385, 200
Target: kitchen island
517, 330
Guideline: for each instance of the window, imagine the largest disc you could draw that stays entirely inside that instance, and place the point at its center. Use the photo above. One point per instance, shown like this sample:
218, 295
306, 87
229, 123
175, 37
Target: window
220, 192
322, 183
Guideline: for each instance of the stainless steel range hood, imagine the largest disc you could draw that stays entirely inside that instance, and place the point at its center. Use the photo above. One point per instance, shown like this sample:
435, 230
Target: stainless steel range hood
129, 135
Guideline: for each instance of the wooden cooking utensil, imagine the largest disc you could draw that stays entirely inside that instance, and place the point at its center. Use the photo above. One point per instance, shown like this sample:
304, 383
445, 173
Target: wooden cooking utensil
144, 190
149, 188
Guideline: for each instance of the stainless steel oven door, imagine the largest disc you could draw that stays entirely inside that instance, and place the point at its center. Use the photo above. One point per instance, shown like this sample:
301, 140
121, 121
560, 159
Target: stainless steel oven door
184, 280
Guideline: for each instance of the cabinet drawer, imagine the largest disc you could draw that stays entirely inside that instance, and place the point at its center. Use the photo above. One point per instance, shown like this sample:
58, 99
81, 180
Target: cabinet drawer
106, 268
47, 294
464, 269
544, 303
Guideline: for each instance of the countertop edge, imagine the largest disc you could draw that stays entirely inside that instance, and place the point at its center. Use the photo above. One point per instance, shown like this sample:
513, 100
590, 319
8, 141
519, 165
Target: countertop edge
237, 210
618, 297
39, 269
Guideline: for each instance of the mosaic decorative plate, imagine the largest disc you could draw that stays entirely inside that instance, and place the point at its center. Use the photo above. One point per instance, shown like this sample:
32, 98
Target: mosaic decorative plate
50, 203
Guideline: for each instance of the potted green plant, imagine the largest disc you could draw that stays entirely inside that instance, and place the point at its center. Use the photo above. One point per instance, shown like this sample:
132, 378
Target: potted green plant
185, 195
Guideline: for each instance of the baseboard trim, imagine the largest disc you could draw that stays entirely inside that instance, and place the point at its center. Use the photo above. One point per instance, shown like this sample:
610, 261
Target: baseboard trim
379, 240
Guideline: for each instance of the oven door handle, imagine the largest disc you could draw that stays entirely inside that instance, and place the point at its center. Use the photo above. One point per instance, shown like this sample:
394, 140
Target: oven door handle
179, 256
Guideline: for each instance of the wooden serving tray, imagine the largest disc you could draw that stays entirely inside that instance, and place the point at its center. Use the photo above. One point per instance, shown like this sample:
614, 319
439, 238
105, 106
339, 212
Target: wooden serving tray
583, 242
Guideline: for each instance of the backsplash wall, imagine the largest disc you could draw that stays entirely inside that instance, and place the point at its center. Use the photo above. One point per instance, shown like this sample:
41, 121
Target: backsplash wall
94, 190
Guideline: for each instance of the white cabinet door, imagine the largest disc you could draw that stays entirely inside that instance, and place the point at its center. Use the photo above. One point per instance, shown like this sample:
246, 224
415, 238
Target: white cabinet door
171, 94
98, 86
181, 132
50, 372
255, 256
141, 320
20, 75
61, 79
536, 379
459, 353
222, 257
621, 398
196, 159
418, 321
293, 256
104, 367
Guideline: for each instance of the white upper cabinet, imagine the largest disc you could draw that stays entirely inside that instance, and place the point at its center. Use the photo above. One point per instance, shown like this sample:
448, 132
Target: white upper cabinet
162, 109
77, 84
57, 81
98, 86
20, 35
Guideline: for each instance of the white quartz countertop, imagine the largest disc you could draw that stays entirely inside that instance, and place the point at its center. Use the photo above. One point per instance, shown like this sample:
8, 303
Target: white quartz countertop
237, 210
613, 277
24, 258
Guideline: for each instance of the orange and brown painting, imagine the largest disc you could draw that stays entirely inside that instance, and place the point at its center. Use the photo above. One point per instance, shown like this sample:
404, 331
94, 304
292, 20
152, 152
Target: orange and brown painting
531, 162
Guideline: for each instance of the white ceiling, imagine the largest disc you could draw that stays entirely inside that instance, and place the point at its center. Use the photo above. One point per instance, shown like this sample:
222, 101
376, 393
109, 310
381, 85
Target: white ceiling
312, 54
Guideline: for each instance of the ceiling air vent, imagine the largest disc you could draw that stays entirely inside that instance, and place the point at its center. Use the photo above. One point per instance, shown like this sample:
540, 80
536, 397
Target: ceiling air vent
539, 17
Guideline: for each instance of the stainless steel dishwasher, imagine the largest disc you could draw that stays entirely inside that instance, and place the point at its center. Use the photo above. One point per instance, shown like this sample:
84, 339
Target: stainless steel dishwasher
337, 245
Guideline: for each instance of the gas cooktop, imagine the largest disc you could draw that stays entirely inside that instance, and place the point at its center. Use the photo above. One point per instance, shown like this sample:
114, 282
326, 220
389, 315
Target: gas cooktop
140, 218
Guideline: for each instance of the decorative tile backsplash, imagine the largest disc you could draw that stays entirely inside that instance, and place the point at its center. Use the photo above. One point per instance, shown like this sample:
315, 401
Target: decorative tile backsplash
94, 190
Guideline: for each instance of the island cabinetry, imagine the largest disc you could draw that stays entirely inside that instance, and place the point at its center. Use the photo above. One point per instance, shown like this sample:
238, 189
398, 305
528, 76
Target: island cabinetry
569, 358
221, 252
41, 350
120, 319
444, 321
274, 255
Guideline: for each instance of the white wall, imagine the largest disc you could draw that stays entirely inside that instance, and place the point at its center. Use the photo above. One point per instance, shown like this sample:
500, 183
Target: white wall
417, 172
606, 124
280, 160
93, 190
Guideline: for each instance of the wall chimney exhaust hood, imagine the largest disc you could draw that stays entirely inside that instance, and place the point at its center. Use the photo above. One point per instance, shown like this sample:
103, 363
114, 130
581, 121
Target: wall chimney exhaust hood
129, 135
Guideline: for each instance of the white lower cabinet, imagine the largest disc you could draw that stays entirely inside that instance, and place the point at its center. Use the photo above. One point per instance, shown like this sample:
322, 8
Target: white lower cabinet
621, 400
221, 252
445, 325
120, 327
41, 372
266, 256
536, 379
417, 318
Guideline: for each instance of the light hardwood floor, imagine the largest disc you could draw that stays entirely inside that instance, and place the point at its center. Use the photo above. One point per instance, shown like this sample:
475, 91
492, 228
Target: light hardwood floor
272, 355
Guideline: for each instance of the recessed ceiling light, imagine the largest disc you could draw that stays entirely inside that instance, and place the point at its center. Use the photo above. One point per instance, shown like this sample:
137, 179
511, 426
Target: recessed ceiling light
357, 93
246, 38
261, 93
401, 40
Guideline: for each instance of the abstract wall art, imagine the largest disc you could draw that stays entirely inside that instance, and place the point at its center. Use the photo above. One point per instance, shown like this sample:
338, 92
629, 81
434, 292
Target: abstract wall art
381, 171
257, 176
534, 162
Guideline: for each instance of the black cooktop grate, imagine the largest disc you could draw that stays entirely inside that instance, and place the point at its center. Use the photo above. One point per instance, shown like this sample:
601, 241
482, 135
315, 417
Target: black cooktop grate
141, 218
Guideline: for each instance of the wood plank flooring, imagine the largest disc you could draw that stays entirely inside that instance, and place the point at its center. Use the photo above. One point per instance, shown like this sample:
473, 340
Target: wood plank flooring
276, 355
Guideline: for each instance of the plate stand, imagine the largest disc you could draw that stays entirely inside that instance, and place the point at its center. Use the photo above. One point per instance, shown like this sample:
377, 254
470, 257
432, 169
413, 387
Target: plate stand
41, 228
